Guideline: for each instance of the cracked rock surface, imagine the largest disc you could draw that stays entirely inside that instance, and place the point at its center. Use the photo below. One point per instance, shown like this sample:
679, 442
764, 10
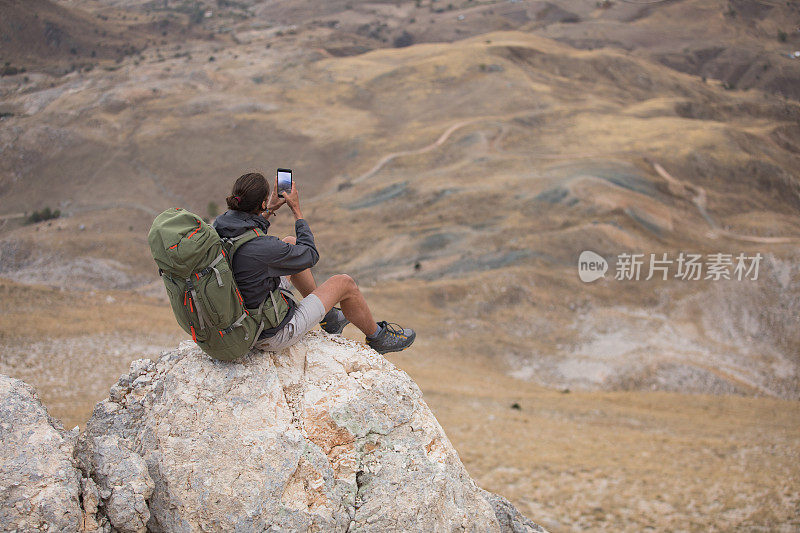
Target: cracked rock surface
40, 486
326, 435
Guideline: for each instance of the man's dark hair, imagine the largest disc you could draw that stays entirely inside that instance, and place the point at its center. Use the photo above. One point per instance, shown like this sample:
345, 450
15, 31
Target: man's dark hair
248, 192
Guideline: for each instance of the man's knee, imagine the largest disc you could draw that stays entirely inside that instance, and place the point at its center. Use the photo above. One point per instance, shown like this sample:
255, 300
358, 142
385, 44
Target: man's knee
289, 239
348, 282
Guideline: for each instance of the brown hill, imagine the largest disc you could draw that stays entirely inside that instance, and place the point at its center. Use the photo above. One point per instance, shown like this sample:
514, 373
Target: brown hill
40, 33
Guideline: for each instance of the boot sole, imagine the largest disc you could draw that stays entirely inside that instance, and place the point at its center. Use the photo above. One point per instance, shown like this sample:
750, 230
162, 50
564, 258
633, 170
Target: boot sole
411, 341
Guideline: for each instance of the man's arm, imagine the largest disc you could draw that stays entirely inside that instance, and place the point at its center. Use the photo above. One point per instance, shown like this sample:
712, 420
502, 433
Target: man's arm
286, 259
283, 259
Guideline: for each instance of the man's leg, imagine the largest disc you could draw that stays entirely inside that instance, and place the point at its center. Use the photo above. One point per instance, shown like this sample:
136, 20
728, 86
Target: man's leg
341, 288
305, 283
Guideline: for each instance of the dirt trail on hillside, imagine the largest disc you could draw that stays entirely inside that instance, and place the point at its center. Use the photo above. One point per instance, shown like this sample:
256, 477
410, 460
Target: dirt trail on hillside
697, 195
388, 158
445, 136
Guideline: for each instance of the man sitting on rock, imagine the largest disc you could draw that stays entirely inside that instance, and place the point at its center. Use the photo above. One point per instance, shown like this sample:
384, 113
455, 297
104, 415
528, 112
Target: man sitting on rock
264, 263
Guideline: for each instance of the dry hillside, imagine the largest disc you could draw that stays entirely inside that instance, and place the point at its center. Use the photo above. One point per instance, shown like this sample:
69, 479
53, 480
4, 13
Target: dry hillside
456, 159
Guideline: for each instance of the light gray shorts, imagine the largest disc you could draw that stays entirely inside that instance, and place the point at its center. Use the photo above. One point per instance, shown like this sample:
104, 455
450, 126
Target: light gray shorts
308, 313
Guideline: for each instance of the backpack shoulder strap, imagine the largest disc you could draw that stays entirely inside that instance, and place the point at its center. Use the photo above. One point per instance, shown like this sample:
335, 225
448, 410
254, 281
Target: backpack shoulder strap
233, 244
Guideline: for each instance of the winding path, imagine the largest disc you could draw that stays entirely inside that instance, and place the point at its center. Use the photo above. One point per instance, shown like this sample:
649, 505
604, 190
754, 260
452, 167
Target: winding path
385, 160
438, 142
694, 193
697, 195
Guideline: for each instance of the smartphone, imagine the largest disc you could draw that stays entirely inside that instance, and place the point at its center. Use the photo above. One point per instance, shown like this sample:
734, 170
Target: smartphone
284, 181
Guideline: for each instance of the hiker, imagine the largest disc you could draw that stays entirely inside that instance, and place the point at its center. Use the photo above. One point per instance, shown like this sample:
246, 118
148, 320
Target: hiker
265, 263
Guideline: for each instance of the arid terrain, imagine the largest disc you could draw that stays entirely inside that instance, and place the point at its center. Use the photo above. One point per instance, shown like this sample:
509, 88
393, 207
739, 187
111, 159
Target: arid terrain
456, 159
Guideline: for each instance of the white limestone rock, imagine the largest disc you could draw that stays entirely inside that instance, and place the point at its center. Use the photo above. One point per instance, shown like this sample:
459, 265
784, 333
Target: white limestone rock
326, 435
40, 485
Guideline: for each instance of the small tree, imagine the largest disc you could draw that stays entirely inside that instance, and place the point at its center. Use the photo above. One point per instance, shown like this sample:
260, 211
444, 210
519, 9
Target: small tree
212, 209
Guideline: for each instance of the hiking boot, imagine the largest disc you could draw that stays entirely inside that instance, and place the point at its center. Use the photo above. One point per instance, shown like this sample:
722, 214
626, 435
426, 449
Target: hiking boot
391, 338
334, 321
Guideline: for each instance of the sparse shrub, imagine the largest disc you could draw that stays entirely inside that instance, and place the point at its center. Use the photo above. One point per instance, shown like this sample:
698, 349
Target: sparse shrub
211, 59
10, 70
494, 67
403, 40
44, 214
197, 15
782, 36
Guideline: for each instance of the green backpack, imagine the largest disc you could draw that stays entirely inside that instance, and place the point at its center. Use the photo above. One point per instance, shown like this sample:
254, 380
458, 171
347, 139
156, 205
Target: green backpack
194, 263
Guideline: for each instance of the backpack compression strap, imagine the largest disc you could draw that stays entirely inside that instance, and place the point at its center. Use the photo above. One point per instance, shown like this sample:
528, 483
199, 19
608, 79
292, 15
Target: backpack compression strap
202, 317
212, 268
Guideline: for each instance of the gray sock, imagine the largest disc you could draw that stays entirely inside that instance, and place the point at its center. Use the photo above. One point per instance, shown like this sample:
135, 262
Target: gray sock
378, 331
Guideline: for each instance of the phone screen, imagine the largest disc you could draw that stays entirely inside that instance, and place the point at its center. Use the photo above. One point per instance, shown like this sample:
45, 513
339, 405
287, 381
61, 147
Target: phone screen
284, 180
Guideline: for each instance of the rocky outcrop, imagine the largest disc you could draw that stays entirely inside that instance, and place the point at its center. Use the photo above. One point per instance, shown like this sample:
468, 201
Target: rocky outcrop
324, 436
39, 485
508, 517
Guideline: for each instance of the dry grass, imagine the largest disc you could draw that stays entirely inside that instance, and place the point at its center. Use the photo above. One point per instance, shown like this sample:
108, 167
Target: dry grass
34, 313
619, 461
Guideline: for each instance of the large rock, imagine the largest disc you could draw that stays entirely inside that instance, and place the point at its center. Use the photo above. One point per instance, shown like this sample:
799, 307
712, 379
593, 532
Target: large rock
324, 436
40, 486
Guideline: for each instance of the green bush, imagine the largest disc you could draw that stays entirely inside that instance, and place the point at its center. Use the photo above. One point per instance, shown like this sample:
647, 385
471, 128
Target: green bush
44, 214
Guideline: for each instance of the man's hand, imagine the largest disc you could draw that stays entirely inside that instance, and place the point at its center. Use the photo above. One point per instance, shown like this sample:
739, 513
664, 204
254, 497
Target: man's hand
274, 201
293, 201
